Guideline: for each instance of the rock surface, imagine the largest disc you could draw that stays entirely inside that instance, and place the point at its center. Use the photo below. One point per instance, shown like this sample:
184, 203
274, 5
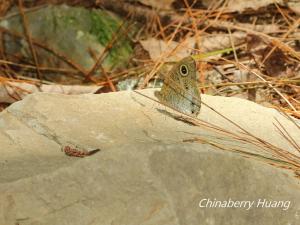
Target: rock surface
73, 32
144, 174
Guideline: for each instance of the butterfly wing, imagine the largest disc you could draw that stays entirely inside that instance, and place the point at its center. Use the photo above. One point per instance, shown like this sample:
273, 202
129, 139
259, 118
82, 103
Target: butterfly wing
190, 95
180, 90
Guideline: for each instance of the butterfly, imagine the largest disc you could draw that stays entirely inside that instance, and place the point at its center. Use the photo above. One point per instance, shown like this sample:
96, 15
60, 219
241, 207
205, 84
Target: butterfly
180, 88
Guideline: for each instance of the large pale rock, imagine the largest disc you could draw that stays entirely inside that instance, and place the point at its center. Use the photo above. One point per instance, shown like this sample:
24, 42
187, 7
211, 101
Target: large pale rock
144, 174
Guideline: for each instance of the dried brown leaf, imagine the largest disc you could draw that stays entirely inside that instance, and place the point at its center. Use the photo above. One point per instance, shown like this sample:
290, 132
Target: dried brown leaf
13, 91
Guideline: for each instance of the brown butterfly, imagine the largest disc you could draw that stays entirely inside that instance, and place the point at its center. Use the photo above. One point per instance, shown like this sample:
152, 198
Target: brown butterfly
180, 89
